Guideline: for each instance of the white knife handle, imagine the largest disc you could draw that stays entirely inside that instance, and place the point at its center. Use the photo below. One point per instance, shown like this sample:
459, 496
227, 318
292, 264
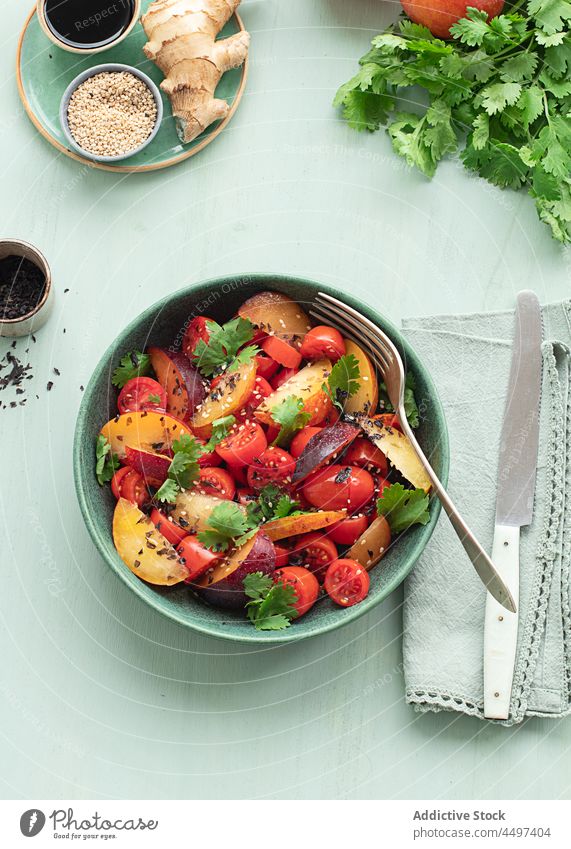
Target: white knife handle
500, 629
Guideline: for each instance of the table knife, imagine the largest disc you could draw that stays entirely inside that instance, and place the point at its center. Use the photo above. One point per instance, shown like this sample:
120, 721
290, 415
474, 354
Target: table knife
514, 504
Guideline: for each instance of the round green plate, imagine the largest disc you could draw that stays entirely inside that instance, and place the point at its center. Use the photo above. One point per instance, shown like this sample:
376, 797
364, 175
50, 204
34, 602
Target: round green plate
163, 324
44, 71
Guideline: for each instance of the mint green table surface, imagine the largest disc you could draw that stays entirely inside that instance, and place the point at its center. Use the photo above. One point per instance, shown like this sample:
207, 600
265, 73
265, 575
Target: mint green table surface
101, 697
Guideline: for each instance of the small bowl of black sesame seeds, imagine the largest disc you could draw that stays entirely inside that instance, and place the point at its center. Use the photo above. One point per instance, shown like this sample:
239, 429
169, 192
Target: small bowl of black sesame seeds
26, 292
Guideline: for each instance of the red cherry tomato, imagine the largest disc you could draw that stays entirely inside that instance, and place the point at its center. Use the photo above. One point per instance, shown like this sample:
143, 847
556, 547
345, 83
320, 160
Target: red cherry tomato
281, 351
301, 439
347, 531
336, 487
266, 367
347, 582
272, 433
133, 488
142, 393
322, 341
217, 482
243, 443
195, 331
210, 459
169, 529
245, 495
363, 453
274, 465
305, 586
278, 379
261, 390
315, 551
282, 556
197, 558
240, 474
116, 480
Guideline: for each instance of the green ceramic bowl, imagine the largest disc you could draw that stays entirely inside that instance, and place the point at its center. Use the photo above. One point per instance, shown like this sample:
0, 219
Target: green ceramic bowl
160, 325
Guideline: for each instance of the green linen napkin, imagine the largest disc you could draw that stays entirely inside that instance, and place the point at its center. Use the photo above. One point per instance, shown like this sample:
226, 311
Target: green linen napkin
469, 359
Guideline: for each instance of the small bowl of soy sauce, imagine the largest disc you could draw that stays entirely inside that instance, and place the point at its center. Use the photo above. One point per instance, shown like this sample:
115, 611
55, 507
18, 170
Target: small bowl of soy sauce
87, 26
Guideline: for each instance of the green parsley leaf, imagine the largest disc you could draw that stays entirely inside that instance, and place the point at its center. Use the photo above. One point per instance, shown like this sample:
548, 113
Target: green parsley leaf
222, 346
272, 605
410, 405
106, 463
343, 380
131, 365
291, 417
403, 507
227, 526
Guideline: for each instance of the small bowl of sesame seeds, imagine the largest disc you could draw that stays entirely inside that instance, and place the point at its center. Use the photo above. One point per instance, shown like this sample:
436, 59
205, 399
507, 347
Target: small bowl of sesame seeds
111, 112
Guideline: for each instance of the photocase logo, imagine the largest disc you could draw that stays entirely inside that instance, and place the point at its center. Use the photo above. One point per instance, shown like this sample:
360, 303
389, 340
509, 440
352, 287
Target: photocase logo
32, 822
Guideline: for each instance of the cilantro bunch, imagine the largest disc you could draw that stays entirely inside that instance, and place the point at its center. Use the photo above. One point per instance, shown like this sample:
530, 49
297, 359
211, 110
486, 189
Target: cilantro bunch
500, 91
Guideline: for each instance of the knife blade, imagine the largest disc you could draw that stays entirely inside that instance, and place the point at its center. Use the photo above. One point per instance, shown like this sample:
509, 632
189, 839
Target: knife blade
517, 470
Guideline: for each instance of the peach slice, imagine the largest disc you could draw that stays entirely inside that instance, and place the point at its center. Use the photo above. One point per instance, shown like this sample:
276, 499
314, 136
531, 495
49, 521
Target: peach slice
183, 384
398, 450
153, 467
228, 396
145, 429
372, 545
143, 549
365, 400
192, 510
277, 315
293, 525
307, 384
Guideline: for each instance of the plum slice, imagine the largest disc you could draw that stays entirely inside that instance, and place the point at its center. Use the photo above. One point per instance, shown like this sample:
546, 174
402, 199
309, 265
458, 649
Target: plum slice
398, 449
306, 384
153, 467
372, 544
296, 525
322, 447
182, 382
147, 429
222, 586
227, 397
276, 314
143, 549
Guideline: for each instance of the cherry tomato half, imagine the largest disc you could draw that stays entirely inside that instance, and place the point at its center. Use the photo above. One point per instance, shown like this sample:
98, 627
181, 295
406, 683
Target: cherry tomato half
347, 582
322, 341
142, 393
363, 453
243, 443
281, 351
196, 557
282, 556
261, 390
217, 482
266, 367
274, 465
347, 531
116, 480
314, 551
278, 379
305, 585
240, 474
210, 459
301, 439
133, 488
336, 487
169, 529
195, 331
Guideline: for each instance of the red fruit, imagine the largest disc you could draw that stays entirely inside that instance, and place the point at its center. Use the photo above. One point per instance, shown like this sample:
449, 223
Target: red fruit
439, 15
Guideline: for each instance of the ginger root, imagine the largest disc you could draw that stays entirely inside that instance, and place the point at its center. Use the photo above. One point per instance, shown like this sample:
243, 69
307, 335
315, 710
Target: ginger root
182, 42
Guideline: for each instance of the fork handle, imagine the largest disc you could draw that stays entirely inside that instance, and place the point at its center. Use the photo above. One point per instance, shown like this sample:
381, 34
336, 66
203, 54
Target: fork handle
481, 561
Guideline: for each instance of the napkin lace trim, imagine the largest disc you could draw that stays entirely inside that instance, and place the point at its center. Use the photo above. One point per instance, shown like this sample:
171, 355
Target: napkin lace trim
547, 545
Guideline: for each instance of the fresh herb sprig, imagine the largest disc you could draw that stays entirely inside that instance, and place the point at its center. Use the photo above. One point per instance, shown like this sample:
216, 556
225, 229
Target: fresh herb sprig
106, 462
224, 342
227, 526
271, 504
343, 380
134, 364
272, 605
291, 417
403, 508
184, 470
500, 91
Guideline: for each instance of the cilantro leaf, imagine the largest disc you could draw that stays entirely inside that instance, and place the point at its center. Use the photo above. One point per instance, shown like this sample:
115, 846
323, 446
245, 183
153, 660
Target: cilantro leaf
131, 365
154, 399
168, 491
270, 504
227, 526
222, 346
244, 356
291, 417
220, 429
343, 380
410, 405
403, 507
184, 470
106, 463
272, 605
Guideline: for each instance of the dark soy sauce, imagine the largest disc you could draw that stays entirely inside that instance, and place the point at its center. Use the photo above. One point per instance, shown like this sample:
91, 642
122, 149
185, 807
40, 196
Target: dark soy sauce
88, 23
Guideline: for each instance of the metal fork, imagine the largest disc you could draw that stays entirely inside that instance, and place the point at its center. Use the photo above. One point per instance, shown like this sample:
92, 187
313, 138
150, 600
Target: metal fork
384, 353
